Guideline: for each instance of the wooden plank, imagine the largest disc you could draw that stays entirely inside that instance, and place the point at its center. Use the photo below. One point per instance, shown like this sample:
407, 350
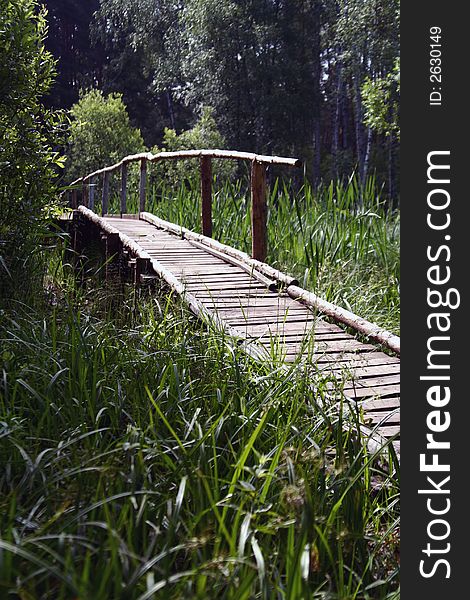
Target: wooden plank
384, 417
259, 211
142, 184
171, 252
209, 268
270, 303
364, 358
206, 193
296, 338
372, 381
354, 372
380, 404
270, 320
258, 311
383, 391
329, 347
292, 327
233, 277
194, 286
389, 431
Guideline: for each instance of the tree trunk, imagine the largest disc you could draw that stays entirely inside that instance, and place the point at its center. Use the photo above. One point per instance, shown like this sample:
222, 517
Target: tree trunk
316, 110
336, 120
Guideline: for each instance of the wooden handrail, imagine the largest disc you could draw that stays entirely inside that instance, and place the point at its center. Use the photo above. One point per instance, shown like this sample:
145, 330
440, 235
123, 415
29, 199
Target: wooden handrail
185, 154
259, 163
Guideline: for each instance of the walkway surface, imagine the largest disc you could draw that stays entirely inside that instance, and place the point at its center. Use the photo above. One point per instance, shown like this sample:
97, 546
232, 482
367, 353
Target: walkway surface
240, 300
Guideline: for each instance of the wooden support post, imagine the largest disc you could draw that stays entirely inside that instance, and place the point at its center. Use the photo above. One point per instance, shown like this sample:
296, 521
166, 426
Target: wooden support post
259, 211
105, 196
74, 199
143, 184
91, 194
206, 192
84, 194
123, 188
141, 268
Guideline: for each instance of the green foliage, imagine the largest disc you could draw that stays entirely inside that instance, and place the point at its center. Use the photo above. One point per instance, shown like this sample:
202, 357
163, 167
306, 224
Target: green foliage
204, 134
29, 134
101, 134
380, 97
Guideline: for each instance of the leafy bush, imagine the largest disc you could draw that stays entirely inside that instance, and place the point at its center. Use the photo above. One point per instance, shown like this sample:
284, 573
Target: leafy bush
101, 134
28, 135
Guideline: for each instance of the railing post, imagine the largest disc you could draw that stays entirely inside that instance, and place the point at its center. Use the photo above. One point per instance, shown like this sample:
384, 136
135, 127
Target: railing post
91, 194
258, 211
74, 199
206, 192
84, 194
143, 184
123, 188
105, 196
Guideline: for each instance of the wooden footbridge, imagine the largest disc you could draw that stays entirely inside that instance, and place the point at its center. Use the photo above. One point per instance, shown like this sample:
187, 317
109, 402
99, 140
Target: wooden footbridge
256, 304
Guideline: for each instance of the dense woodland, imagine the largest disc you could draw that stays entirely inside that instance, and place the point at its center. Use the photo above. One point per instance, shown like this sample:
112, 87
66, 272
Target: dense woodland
316, 79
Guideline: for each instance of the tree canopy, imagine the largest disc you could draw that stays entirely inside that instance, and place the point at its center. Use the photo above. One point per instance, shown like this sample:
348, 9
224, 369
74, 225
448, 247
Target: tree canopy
29, 132
315, 78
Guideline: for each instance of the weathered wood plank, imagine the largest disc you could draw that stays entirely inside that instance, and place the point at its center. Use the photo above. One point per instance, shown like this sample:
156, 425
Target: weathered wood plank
384, 418
354, 382
206, 193
389, 431
380, 404
259, 211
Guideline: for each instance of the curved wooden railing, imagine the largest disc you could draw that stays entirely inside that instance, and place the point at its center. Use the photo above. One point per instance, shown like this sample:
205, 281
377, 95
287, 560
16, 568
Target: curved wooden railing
258, 186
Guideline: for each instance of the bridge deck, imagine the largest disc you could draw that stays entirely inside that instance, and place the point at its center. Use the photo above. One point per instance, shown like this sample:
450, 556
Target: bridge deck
265, 319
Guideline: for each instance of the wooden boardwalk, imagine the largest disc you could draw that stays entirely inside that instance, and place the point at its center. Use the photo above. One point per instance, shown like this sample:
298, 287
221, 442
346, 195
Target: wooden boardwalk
250, 306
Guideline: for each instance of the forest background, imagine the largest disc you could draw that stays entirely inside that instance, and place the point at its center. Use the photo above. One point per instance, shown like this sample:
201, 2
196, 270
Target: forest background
315, 79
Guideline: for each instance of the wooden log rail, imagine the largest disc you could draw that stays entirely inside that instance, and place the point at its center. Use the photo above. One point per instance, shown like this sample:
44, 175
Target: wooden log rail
259, 209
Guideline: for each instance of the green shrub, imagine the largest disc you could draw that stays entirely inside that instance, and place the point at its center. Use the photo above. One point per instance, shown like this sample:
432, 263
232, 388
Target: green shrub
28, 135
101, 134
204, 135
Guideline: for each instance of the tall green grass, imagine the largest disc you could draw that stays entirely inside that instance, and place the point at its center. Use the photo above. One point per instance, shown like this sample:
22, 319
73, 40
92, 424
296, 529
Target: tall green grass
146, 457
340, 241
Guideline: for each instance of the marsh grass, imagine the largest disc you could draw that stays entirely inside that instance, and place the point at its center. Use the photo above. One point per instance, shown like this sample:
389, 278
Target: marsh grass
144, 456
